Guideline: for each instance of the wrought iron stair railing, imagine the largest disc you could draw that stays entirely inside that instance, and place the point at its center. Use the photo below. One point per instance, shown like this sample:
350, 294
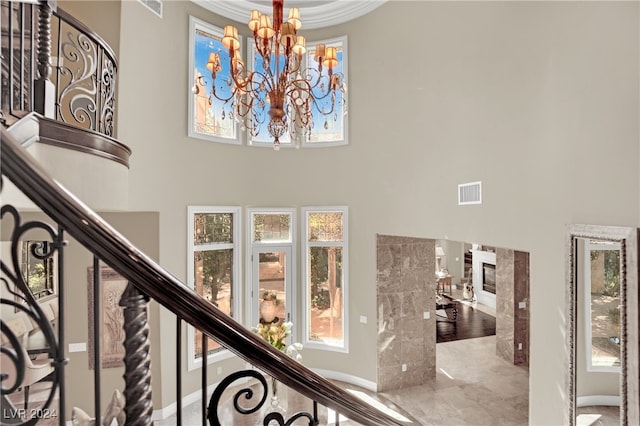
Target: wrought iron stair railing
147, 279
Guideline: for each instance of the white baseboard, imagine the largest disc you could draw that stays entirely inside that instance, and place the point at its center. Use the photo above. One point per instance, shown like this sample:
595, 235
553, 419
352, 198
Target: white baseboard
589, 400
172, 408
347, 378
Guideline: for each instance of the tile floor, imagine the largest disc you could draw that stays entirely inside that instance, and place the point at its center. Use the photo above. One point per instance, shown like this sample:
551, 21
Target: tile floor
598, 416
485, 391
472, 387
480, 389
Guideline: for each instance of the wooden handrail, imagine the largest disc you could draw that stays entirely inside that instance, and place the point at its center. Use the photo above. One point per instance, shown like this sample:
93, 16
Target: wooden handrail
105, 242
62, 135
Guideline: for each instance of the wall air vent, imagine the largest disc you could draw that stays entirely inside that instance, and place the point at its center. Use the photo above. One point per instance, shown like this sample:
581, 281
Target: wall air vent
470, 193
154, 5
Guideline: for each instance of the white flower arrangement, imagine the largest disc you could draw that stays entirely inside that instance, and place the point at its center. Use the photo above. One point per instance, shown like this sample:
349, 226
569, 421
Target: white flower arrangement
276, 336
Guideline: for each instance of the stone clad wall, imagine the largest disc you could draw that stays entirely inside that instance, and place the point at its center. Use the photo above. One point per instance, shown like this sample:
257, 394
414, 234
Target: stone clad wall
504, 304
521, 316
405, 290
512, 320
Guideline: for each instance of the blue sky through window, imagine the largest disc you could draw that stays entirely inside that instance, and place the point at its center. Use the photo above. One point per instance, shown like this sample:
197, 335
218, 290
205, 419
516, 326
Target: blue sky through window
212, 116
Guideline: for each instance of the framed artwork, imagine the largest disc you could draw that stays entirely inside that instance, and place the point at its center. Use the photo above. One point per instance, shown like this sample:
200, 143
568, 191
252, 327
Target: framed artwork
111, 315
210, 117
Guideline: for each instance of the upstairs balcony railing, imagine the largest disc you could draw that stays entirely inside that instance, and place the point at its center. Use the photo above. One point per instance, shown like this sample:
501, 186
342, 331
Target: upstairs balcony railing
54, 65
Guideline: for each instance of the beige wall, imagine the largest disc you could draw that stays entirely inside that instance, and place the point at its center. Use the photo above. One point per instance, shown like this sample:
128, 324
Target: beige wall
539, 100
102, 17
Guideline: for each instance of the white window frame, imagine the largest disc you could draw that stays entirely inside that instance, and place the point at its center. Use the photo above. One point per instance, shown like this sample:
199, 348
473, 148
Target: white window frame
343, 41
589, 247
306, 304
253, 308
302, 141
222, 354
214, 33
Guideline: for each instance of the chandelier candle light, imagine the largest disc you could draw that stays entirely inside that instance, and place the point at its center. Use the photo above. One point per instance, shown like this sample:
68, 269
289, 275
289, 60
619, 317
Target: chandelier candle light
294, 93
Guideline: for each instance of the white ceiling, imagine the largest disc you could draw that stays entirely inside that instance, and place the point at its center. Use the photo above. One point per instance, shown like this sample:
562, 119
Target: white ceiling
314, 13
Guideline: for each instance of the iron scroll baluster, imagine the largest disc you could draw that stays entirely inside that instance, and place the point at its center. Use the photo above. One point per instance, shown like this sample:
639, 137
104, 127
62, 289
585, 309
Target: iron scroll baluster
248, 393
21, 299
137, 374
214, 402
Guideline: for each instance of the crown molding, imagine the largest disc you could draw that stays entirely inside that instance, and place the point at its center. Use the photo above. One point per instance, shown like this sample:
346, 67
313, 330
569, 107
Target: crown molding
318, 16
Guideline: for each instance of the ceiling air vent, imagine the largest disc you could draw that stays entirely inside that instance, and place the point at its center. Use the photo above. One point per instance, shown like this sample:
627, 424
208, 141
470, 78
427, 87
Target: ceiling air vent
154, 5
470, 193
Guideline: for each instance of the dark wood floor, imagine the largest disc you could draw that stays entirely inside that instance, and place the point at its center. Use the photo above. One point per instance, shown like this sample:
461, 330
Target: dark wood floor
469, 323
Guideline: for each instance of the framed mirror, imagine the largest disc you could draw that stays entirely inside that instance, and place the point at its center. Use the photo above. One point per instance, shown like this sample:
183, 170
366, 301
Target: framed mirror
38, 269
602, 380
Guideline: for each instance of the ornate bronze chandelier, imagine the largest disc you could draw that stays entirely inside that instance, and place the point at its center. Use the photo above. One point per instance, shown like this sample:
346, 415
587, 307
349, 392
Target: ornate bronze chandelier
281, 85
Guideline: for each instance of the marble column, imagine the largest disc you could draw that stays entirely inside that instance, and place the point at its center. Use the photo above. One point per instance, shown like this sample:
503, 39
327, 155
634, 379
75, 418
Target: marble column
504, 304
406, 311
521, 306
512, 306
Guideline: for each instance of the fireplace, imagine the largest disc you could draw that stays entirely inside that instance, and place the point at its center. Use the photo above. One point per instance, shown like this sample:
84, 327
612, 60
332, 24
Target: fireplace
484, 276
489, 277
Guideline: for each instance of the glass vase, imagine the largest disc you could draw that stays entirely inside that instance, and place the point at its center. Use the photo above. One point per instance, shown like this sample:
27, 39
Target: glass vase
275, 398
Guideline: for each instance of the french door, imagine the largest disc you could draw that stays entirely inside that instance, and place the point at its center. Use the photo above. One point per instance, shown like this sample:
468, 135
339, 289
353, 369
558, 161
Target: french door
272, 299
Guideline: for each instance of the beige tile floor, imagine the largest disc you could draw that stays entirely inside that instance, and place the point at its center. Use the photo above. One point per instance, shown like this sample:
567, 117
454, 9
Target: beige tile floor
463, 393
598, 415
483, 390
472, 387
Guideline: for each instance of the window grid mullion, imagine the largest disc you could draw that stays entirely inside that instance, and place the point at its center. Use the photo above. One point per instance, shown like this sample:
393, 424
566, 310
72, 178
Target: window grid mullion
207, 247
